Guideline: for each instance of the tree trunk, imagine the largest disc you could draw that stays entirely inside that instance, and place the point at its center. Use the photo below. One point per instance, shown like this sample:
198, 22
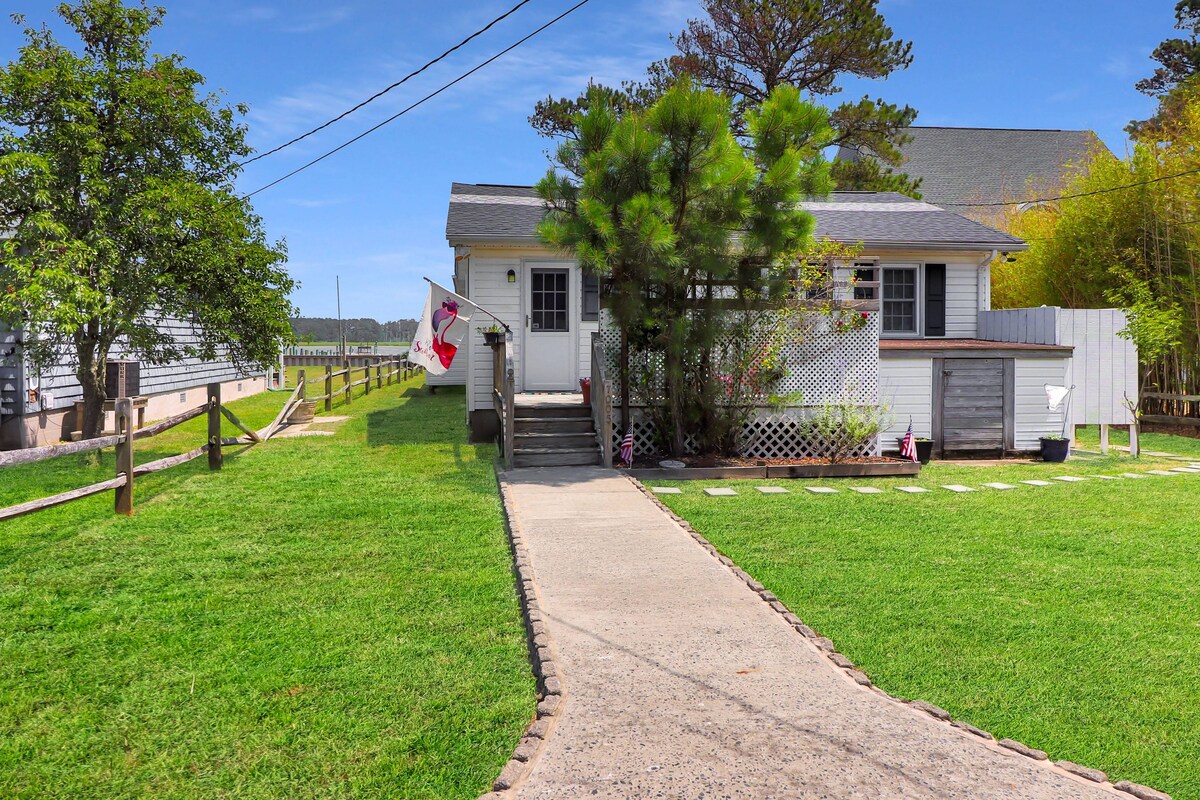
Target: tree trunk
90, 374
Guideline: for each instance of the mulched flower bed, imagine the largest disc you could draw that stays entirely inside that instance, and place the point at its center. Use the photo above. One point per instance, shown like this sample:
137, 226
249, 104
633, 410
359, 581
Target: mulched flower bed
652, 461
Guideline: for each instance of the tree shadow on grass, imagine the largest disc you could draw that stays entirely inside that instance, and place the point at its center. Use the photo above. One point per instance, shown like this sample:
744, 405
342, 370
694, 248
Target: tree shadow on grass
427, 419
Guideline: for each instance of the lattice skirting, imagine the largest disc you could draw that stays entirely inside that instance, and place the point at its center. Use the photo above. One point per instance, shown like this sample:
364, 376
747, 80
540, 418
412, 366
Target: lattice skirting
770, 434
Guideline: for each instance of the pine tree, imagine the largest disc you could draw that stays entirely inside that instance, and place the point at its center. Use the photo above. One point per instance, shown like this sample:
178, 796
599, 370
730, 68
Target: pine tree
679, 218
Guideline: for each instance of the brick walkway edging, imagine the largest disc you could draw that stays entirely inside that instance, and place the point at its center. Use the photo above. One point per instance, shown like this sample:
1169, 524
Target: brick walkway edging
827, 647
541, 656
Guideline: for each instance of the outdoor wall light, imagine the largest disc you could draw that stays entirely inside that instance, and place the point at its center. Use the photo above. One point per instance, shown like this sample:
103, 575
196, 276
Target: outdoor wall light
512, 276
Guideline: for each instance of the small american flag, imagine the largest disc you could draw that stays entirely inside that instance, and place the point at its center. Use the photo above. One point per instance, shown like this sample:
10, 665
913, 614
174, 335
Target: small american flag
627, 446
908, 446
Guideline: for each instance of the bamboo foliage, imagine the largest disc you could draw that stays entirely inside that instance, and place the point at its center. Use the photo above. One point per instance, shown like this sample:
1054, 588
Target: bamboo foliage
1130, 240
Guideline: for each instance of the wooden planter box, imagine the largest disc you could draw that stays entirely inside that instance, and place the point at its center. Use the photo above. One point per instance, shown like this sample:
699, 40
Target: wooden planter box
891, 468
305, 411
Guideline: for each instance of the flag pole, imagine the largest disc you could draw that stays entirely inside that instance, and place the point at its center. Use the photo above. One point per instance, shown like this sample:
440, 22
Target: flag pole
503, 324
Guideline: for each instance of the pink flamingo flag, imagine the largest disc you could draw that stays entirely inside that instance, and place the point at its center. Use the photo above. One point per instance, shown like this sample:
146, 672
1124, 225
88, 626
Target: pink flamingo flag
443, 325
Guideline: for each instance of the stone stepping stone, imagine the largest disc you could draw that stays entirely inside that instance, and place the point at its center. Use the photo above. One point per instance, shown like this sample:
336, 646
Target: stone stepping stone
772, 489
720, 492
866, 490
1106, 477
1039, 483
954, 487
1185, 469
821, 490
1131, 475
666, 490
911, 489
1069, 479
1000, 486
1160, 472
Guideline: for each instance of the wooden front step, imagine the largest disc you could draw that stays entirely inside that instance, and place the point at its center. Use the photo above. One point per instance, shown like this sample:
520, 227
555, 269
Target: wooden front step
546, 457
553, 425
556, 410
554, 441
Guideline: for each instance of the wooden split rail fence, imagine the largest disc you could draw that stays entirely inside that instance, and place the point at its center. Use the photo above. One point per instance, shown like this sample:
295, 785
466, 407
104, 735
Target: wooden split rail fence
125, 436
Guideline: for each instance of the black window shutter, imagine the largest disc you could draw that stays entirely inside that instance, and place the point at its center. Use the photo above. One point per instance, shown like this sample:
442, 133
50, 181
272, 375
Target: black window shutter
591, 297
935, 299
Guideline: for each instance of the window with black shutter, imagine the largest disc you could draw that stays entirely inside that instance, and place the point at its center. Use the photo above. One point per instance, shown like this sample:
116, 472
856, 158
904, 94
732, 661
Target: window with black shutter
591, 298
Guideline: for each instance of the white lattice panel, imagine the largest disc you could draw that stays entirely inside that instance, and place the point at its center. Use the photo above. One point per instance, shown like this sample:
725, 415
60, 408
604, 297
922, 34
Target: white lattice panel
767, 435
825, 367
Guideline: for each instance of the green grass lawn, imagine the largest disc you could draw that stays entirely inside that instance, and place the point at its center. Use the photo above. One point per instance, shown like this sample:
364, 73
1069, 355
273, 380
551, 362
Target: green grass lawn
1065, 616
1089, 437
325, 617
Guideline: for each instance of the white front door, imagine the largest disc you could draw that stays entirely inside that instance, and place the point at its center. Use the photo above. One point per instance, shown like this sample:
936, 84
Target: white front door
548, 358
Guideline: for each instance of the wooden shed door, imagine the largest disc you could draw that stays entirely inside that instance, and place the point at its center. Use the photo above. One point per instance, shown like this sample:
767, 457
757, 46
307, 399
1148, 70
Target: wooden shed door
973, 405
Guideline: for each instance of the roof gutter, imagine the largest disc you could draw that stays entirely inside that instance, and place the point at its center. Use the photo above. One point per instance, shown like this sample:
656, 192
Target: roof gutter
992, 248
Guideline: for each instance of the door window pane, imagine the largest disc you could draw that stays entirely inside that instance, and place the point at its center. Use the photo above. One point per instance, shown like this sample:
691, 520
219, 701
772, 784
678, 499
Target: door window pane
548, 300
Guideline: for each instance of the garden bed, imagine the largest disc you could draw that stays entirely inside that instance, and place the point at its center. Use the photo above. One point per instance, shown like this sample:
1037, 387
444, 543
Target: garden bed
734, 468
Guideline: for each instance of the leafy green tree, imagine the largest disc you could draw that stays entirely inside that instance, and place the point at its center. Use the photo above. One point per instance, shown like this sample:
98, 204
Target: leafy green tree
116, 181
1129, 235
744, 49
687, 226
1179, 68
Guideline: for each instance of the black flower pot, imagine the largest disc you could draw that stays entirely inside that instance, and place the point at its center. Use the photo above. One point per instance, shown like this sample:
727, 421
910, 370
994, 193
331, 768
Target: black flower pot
1055, 450
924, 449
492, 338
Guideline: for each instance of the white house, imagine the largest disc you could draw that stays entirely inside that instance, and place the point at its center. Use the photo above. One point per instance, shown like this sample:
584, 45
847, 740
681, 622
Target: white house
934, 352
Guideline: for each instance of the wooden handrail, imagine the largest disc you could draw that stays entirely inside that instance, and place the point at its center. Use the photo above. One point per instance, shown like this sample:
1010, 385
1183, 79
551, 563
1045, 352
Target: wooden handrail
601, 401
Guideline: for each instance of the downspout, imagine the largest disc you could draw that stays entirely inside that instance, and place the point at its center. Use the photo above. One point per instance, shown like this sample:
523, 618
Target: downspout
984, 281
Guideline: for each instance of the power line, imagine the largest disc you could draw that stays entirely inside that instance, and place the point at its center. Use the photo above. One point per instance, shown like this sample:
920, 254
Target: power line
1080, 194
1169, 223
427, 97
382, 92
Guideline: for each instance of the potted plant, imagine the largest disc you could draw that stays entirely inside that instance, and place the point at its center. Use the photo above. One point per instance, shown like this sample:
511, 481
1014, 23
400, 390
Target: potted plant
1055, 448
924, 448
492, 334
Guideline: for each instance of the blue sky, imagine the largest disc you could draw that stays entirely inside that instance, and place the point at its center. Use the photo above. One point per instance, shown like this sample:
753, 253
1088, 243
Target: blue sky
375, 213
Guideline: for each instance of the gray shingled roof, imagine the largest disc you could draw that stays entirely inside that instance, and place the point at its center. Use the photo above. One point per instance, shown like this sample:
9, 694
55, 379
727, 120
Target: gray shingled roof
981, 165
481, 212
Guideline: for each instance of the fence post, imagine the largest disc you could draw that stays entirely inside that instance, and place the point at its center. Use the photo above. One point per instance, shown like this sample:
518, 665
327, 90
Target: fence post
302, 380
390, 371
123, 501
215, 457
328, 388
367, 385
346, 364
379, 374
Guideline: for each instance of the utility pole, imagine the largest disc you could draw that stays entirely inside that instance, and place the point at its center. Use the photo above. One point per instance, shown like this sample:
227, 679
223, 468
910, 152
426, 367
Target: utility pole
337, 282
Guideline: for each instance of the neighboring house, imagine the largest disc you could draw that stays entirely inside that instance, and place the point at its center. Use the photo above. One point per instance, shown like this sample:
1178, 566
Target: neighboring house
958, 166
930, 351
40, 408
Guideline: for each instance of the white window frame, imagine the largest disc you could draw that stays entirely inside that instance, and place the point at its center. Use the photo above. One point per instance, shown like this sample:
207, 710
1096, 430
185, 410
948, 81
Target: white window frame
918, 302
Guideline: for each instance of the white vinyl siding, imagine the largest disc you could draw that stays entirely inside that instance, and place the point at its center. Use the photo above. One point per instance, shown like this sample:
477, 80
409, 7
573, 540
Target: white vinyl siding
906, 388
487, 284
962, 301
1031, 414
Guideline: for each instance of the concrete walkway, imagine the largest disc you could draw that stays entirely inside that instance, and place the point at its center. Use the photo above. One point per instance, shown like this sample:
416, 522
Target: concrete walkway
681, 682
